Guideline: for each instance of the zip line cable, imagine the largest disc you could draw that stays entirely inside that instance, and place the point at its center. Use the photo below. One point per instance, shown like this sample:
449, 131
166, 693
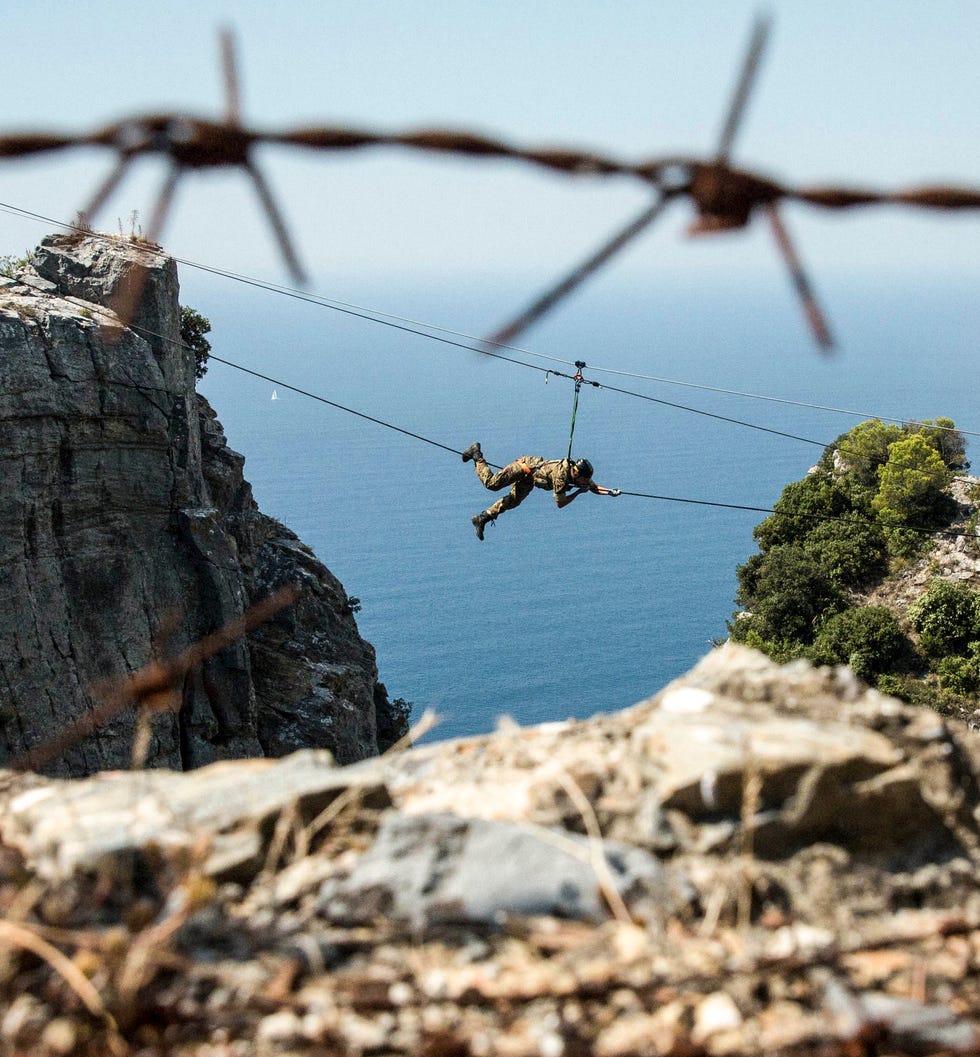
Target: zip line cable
843, 519
385, 319
316, 300
774, 399
578, 379
455, 451
331, 403
712, 414
405, 328
637, 495
481, 345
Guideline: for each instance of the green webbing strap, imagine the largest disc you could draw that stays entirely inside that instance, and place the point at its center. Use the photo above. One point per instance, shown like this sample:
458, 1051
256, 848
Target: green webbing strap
577, 377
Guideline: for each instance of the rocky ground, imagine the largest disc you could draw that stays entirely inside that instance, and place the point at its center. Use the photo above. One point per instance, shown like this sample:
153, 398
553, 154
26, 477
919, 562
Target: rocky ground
759, 860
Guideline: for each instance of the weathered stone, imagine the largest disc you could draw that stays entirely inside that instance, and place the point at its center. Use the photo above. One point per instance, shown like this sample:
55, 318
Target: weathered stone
127, 525
428, 869
224, 813
739, 749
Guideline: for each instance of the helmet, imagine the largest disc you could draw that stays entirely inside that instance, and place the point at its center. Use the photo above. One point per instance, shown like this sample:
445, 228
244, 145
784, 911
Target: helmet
583, 468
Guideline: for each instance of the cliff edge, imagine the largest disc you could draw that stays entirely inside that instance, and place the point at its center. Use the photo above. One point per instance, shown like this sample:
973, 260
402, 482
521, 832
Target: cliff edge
127, 528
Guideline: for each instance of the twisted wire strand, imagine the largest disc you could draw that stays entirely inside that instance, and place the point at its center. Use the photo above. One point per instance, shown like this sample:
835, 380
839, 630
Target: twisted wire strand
198, 143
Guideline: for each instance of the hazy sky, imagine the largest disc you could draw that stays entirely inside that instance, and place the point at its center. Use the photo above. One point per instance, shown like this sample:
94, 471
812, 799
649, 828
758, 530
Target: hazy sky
884, 93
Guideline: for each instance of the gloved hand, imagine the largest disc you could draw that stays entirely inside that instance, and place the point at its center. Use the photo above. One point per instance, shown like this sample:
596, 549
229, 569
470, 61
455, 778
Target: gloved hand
615, 491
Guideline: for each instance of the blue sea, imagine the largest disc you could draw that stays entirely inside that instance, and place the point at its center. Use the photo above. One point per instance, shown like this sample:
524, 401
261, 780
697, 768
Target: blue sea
590, 609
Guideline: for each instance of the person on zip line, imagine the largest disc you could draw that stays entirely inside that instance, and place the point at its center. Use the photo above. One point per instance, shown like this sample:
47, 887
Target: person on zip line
567, 479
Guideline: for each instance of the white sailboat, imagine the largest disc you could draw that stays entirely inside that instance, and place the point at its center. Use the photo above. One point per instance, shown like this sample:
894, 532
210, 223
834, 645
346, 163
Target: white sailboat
275, 395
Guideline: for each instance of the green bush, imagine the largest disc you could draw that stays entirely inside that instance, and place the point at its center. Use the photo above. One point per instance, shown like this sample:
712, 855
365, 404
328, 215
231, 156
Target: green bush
744, 630
193, 327
748, 579
862, 451
803, 506
866, 638
787, 593
911, 484
961, 675
942, 434
926, 693
863, 507
11, 267
947, 618
907, 543
850, 552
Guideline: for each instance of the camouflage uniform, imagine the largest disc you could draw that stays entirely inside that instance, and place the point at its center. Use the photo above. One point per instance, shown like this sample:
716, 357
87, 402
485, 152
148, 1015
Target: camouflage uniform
523, 475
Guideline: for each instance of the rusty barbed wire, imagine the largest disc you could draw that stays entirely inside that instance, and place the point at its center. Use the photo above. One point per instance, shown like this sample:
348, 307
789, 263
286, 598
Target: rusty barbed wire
729, 193
724, 197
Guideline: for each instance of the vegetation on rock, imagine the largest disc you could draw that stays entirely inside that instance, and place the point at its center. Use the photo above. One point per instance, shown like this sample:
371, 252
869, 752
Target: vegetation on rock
11, 266
193, 327
873, 507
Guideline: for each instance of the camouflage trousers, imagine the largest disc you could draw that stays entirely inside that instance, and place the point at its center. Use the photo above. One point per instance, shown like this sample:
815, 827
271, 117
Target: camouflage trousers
519, 475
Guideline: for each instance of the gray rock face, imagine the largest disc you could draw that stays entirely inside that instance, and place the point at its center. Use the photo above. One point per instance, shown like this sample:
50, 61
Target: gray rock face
125, 513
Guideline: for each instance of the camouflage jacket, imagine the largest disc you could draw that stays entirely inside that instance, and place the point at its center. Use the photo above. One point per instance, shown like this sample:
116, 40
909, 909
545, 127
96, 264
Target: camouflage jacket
551, 473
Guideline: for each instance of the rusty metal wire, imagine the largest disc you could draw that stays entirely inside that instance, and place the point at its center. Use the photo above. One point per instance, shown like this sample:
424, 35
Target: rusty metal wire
724, 197
732, 194
714, 187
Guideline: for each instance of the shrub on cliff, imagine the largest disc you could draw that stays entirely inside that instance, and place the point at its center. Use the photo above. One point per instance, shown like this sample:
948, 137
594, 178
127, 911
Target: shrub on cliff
803, 506
961, 675
942, 434
835, 531
849, 551
947, 618
855, 457
868, 639
193, 327
911, 485
787, 593
11, 267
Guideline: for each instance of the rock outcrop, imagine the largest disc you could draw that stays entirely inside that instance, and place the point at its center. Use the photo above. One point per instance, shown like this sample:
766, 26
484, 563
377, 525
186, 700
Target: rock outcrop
127, 527
758, 860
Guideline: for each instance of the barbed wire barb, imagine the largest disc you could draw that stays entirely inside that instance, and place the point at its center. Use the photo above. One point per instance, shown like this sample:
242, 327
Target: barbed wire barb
551, 297
746, 82
192, 144
229, 64
723, 198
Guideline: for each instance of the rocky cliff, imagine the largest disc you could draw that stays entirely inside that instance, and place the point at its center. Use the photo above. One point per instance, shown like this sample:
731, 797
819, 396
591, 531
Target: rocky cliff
757, 861
127, 527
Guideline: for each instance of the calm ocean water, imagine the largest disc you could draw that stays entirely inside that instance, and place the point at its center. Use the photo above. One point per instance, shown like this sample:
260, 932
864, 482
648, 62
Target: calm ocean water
598, 606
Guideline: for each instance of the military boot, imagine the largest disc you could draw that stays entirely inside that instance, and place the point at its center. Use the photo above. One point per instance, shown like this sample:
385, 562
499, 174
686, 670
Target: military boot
473, 452
479, 521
